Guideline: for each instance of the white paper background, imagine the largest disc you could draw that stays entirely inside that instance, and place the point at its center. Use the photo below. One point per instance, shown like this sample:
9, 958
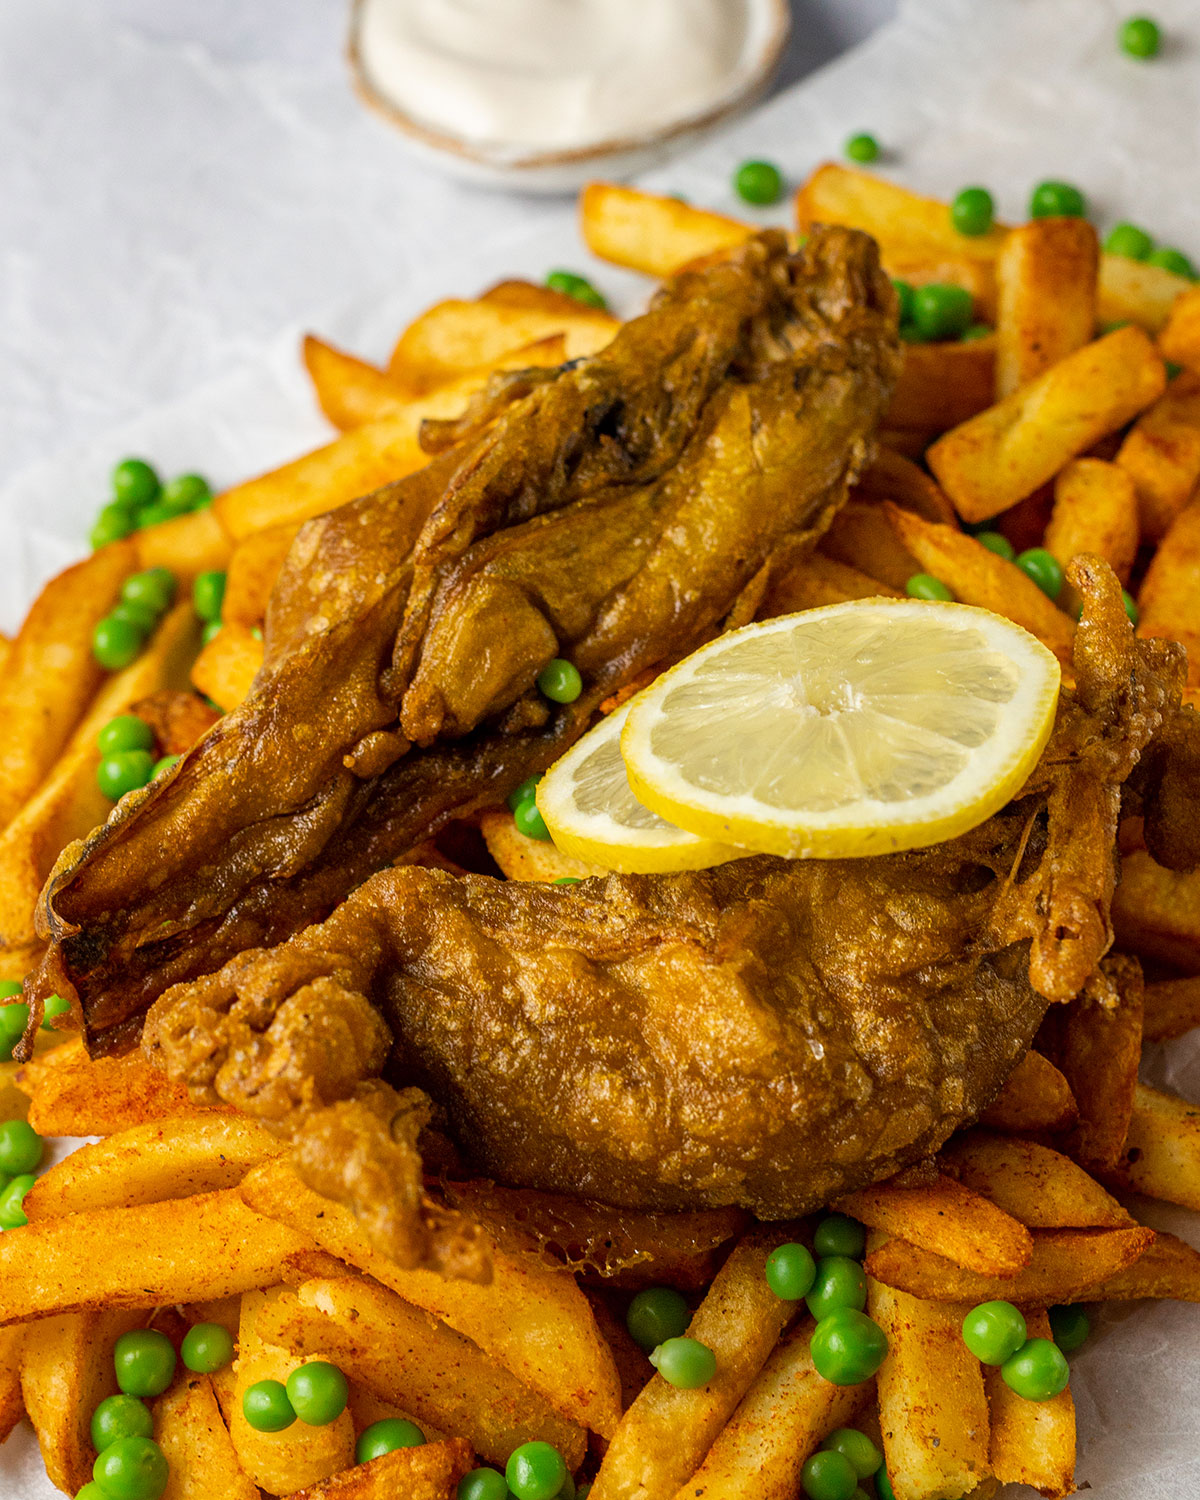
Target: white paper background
1002, 92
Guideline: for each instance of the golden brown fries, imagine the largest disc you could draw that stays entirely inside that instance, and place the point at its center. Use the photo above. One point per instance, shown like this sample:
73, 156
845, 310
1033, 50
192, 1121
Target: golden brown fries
1179, 340
1040, 1187
1131, 291
1036, 1100
1169, 1268
1156, 912
73, 1094
1095, 510
891, 476
817, 580
1032, 1442
348, 390
997, 458
1171, 1008
861, 537
665, 1434
650, 233
430, 1472
253, 570
12, 1405
522, 858
947, 1218
196, 1444
225, 669
186, 545
409, 1359
942, 385
1161, 454
1162, 1148
1167, 599
933, 1413
1046, 282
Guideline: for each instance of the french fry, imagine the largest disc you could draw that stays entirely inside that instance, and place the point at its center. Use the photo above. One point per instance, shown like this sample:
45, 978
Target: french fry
12, 1404
253, 570
1035, 1100
891, 476
151, 1163
933, 1412
1179, 340
1041, 1188
1161, 454
182, 1250
226, 668
650, 233
1162, 1148
780, 1420
185, 545
1170, 1268
947, 1218
1168, 592
1065, 1263
665, 1434
535, 1321
513, 292
300, 1455
1004, 454
1046, 288
1171, 1009
430, 1472
409, 1359
196, 1444
978, 576
522, 858
861, 537
1095, 510
348, 390
1156, 912
817, 580
1032, 1442
941, 385
1131, 291
51, 674
366, 1408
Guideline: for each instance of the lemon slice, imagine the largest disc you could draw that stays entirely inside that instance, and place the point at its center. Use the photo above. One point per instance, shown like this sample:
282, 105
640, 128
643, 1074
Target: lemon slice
591, 813
858, 728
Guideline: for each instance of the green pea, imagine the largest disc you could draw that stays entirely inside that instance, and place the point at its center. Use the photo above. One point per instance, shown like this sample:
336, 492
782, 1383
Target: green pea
185, 492
115, 643
155, 588
114, 522
139, 616
1128, 240
1131, 608
134, 482
1057, 200
144, 1361
14, 1018
12, 1202
318, 1392
973, 211
482, 1484
1043, 568
266, 1408
211, 631
994, 1331
524, 792
530, 822
10, 987
535, 1471
152, 515
132, 1468
559, 680
1038, 1370
1139, 37
883, 1486
998, 543
862, 148
1070, 1327
847, 1347
92, 1491
791, 1271
54, 1006
579, 287
568, 880
926, 586
758, 182
385, 1437
973, 332
839, 1282
838, 1234
828, 1476
685, 1363
655, 1315
125, 772
208, 595
118, 1417
164, 764
125, 732
21, 1148
857, 1447
904, 296
207, 1347
941, 311
1171, 260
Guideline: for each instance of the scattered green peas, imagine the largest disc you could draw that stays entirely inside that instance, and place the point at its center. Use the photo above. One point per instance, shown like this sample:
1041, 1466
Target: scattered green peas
535, 1471
904, 296
139, 616
1043, 568
847, 1347
655, 1315
569, 880
940, 311
134, 482
579, 287
186, 492
144, 1361
791, 1271
530, 822
13, 1018
973, 211
164, 764
883, 1485
559, 680
115, 643
118, 774
926, 586
839, 1282
524, 792
994, 1331
153, 515
1131, 608
21, 1148
155, 588
973, 332
318, 1392
114, 522
385, 1437
211, 631
997, 542
862, 148
1128, 240
685, 1363
92, 1491
54, 1006
483, 1484
838, 1234
1038, 1370
1070, 1327
266, 1408
1171, 260
132, 1468
125, 732
118, 1417
758, 182
206, 1348
1139, 37
12, 1201
857, 1447
828, 1476
1057, 200
208, 595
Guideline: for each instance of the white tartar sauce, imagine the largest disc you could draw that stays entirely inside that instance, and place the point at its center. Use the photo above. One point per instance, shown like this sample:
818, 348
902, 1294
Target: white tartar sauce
553, 74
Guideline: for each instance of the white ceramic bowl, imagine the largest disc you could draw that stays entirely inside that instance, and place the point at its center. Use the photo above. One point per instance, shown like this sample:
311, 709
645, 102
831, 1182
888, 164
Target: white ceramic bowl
521, 169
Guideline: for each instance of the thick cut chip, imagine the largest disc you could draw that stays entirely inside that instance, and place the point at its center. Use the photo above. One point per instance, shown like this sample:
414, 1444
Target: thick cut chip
815, 581
1040, 1187
523, 858
1170, 1268
941, 385
1032, 1442
348, 390
1132, 291
226, 668
1036, 1100
185, 545
1171, 1009
1162, 1148
947, 1218
1096, 511
1180, 338
1046, 278
650, 233
12, 1403
856, 729
430, 1472
1167, 599
861, 536
1161, 454
195, 1442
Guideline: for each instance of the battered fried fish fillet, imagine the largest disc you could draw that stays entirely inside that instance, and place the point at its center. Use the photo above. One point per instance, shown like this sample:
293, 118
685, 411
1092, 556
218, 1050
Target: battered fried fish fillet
616, 512
766, 1034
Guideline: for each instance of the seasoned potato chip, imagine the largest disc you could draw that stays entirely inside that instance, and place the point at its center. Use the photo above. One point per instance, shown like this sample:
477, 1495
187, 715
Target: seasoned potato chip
1168, 1268
1161, 1157
348, 390
1171, 1009
1032, 1442
195, 1442
941, 385
1161, 454
74, 1094
1156, 912
1179, 340
226, 668
1046, 287
1037, 1099
522, 858
184, 545
650, 233
253, 570
1040, 1187
861, 537
1096, 511
817, 580
947, 1218
430, 1472
1132, 291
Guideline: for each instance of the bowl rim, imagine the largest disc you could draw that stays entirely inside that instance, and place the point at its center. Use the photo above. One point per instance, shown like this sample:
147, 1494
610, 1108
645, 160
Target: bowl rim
502, 158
